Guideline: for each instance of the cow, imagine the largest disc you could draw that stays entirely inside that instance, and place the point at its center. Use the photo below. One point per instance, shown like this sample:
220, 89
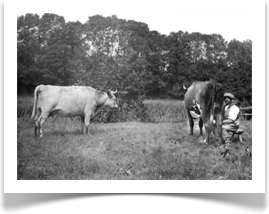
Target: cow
69, 101
209, 97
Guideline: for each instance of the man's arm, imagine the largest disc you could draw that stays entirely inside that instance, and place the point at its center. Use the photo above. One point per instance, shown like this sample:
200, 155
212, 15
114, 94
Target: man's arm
234, 111
227, 121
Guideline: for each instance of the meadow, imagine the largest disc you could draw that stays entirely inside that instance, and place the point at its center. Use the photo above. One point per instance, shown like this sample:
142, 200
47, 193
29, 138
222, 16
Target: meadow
161, 149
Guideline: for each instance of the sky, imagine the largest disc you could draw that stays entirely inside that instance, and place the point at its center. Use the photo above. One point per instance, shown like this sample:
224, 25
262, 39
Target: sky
230, 18
230, 26
239, 19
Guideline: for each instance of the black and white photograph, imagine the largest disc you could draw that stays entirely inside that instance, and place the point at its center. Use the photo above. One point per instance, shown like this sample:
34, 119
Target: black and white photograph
136, 93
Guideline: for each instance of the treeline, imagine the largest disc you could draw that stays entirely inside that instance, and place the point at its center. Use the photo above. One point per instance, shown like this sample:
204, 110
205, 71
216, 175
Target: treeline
113, 53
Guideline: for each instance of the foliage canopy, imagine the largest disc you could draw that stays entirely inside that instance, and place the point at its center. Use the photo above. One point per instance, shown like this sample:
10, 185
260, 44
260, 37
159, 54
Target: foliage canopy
113, 53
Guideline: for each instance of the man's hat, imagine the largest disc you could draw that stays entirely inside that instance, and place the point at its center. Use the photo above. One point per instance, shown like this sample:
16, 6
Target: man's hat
229, 95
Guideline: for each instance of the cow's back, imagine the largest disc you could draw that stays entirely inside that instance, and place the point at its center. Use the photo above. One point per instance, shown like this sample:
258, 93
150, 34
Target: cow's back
66, 100
194, 93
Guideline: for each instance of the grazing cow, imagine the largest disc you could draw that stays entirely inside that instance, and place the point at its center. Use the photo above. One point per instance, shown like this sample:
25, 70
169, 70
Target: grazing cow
69, 101
209, 96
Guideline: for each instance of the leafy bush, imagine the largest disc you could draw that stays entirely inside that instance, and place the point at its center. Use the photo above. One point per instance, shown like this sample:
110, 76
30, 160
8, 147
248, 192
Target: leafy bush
130, 109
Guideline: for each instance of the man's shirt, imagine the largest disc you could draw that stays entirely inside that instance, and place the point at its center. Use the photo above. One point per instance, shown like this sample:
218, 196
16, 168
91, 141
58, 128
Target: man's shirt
232, 113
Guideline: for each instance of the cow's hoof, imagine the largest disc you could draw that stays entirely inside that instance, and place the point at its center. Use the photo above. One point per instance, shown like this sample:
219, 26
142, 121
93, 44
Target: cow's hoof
205, 142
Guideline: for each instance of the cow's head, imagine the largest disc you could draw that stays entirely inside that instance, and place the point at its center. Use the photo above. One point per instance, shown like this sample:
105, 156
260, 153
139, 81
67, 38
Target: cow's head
196, 108
112, 100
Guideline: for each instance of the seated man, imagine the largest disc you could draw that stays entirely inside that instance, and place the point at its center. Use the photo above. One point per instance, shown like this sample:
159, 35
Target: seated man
230, 122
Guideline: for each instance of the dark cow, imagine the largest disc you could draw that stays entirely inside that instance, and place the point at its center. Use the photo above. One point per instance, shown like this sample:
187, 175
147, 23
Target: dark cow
69, 101
209, 96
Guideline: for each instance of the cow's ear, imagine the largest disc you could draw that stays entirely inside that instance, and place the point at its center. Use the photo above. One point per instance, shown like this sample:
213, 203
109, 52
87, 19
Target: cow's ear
109, 94
185, 88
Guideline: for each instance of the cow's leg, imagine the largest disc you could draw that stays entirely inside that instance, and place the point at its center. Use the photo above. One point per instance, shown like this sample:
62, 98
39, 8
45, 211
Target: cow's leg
87, 122
208, 128
83, 124
201, 126
219, 128
37, 129
37, 124
43, 117
191, 123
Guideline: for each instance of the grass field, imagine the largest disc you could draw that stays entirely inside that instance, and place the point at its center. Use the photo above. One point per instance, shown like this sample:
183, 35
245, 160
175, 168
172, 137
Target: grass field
130, 150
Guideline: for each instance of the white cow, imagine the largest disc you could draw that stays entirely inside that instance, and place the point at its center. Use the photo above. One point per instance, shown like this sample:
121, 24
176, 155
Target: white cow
69, 101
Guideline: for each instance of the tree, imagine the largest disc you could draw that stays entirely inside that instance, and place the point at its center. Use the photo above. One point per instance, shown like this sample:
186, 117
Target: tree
115, 53
239, 76
27, 50
112, 53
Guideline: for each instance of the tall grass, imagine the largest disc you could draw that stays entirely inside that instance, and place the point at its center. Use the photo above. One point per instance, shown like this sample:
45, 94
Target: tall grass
155, 111
25, 105
165, 111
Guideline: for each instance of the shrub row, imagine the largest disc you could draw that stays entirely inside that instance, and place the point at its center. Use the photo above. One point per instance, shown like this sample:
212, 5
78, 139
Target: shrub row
154, 111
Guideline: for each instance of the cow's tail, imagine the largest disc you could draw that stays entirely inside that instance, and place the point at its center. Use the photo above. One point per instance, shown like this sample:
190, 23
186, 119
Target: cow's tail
37, 91
212, 117
214, 98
